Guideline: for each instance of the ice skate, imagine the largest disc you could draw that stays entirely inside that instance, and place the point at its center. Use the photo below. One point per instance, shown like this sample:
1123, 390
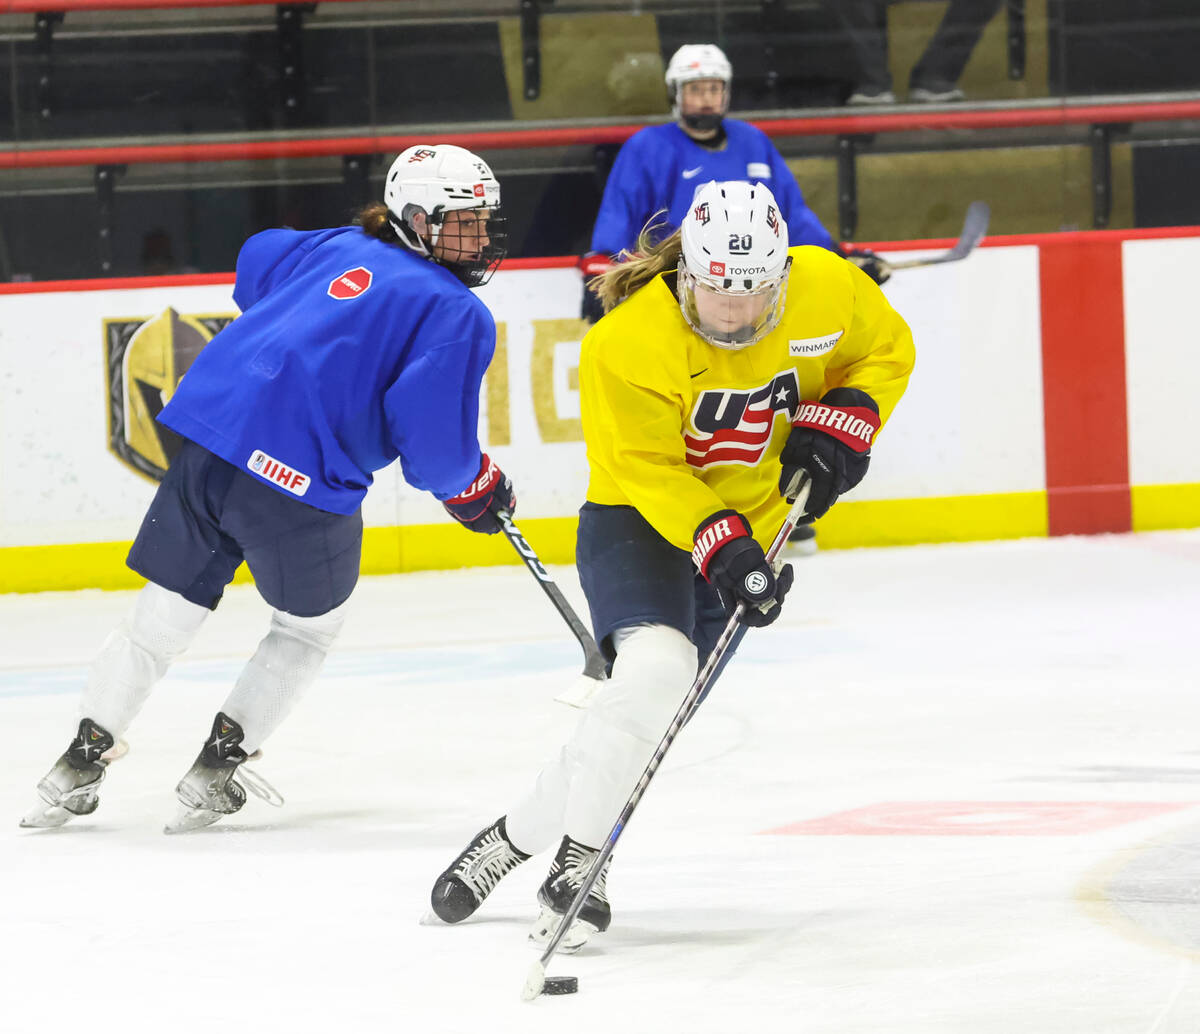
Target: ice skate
567, 873
210, 790
472, 876
72, 786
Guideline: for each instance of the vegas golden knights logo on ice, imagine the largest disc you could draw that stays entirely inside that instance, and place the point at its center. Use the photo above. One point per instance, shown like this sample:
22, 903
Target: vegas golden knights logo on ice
144, 360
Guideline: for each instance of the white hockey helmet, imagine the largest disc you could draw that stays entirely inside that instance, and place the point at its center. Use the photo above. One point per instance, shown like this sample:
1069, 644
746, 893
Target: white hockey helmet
695, 61
732, 279
436, 179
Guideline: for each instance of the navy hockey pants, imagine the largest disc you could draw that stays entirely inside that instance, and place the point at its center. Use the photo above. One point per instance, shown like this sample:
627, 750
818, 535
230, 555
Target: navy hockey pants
208, 516
631, 575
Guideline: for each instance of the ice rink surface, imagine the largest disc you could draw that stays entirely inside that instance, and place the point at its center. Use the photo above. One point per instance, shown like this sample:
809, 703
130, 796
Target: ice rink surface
954, 789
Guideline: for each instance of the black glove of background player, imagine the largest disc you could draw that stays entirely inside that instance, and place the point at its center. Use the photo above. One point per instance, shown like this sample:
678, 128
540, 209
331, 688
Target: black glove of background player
591, 266
875, 266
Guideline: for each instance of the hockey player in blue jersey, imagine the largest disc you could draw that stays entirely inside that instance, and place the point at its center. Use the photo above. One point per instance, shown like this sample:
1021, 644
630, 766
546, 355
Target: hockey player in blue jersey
659, 167
356, 346
658, 170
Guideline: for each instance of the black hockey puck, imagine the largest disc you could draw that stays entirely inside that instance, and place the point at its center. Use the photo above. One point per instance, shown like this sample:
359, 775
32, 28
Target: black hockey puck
560, 986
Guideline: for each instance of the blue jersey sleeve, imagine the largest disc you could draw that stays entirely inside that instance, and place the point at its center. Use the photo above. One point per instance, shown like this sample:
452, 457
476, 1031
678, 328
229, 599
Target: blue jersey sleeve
803, 225
629, 199
433, 409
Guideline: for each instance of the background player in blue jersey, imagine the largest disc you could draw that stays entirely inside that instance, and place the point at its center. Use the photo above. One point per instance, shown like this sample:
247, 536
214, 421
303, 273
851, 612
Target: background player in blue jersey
658, 170
356, 346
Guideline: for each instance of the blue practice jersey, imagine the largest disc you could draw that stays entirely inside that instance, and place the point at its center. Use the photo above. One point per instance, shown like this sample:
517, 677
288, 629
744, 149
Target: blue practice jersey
660, 167
350, 352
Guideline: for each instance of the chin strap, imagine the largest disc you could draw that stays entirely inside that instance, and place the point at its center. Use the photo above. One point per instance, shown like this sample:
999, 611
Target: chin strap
409, 237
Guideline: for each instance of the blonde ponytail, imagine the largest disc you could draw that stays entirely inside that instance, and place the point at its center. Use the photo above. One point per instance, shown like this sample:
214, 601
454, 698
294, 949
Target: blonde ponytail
637, 268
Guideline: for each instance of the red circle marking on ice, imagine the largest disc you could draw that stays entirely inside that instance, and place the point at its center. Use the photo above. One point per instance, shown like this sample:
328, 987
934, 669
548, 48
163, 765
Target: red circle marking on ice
980, 818
351, 284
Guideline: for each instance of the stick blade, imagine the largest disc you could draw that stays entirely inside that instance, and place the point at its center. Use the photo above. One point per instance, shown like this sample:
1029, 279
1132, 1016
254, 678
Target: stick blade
534, 983
975, 227
580, 692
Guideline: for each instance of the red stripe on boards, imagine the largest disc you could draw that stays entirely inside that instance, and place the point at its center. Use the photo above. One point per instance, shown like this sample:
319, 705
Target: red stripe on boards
1083, 384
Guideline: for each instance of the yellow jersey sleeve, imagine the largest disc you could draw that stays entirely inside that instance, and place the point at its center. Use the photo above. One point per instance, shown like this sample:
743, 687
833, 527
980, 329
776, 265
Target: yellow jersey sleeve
632, 366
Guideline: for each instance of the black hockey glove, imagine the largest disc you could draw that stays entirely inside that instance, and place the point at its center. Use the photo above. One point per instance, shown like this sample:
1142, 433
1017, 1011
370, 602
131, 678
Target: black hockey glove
735, 565
591, 266
875, 266
474, 506
831, 440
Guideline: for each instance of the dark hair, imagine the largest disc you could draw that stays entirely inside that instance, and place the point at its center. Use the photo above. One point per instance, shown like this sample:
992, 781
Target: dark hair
374, 221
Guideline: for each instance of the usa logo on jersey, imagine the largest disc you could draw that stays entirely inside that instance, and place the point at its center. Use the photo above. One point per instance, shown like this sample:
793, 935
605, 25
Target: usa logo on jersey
735, 426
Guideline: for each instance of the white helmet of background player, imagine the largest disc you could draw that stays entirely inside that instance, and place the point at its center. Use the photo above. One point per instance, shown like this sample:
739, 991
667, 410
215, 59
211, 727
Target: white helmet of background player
428, 182
732, 280
695, 61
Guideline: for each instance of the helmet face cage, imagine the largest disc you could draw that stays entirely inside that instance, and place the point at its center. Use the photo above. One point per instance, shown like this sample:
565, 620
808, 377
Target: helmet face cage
761, 318
434, 181
477, 269
732, 278
692, 62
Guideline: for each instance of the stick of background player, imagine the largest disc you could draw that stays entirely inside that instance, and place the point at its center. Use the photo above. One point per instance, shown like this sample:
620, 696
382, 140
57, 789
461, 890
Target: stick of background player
659, 167
595, 668
696, 430
357, 346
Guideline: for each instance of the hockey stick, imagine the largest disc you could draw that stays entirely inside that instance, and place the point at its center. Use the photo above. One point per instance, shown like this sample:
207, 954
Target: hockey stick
535, 983
595, 668
975, 226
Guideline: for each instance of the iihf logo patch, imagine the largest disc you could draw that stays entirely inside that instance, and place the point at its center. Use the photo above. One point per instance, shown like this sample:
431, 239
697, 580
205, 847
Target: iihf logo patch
287, 478
351, 284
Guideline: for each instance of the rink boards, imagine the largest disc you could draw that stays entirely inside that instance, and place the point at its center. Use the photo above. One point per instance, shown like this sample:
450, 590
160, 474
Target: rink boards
1055, 376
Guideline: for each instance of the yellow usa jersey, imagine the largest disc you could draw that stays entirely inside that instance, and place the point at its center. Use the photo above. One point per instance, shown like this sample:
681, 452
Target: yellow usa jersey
679, 428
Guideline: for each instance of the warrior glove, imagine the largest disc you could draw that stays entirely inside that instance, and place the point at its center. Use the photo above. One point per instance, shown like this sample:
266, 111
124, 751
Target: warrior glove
831, 440
474, 507
735, 565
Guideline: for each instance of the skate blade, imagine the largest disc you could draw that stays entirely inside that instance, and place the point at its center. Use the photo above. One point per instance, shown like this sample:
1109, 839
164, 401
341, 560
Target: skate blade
546, 926
186, 819
431, 918
46, 816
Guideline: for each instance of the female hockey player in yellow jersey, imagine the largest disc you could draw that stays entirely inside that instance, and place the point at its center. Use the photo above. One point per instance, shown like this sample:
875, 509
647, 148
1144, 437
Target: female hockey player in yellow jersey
726, 365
